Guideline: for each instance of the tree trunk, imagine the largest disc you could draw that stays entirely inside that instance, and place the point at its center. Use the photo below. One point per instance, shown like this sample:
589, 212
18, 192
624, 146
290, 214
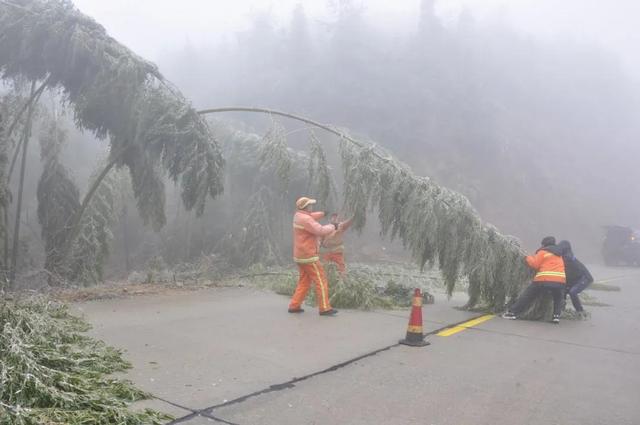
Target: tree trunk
75, 229
33, 99
125, 238
26, 135
325, 127
5, 259
188, 230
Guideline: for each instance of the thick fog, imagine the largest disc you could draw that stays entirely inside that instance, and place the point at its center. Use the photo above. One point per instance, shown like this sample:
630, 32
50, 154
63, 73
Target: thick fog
527, 107
150, 27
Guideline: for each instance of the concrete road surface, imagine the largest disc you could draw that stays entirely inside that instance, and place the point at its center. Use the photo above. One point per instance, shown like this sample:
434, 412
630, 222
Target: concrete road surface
233, 355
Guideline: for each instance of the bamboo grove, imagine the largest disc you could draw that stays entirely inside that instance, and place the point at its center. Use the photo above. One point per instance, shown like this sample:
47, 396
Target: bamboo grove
151, 128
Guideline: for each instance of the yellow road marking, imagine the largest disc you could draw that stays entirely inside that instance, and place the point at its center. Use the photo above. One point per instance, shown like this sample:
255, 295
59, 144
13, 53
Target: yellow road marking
465, 325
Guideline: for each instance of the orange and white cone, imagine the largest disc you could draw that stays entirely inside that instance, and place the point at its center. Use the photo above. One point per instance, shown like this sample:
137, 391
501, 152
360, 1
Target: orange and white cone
415, 337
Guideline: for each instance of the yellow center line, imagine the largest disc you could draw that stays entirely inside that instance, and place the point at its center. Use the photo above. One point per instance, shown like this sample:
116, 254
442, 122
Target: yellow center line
465, 325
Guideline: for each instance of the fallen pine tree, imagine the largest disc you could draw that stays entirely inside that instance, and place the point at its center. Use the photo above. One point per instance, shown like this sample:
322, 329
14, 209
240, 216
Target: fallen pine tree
364, 287
438, 226
52, 373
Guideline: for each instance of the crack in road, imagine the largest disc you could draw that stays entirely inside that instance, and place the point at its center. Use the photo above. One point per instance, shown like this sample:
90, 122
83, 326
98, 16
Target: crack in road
194, 412
207, 411
558, 341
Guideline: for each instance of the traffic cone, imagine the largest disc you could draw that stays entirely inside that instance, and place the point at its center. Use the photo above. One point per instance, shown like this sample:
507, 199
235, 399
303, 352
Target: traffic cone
415, 337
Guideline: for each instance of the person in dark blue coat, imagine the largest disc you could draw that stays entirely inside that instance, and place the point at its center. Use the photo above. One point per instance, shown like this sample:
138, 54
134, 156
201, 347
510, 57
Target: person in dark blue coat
578, 276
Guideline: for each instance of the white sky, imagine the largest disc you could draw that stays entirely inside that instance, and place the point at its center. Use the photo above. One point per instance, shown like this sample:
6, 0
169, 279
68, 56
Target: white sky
151, 26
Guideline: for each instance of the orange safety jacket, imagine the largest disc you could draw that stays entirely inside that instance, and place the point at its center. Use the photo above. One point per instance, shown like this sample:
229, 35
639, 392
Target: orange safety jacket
334, 243
306, 234
549, 267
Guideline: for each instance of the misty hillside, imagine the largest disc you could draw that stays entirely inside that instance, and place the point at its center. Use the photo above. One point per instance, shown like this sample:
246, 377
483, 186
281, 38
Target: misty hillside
517, 125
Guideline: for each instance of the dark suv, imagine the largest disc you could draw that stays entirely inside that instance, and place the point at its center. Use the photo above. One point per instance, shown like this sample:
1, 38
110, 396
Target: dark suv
621, 246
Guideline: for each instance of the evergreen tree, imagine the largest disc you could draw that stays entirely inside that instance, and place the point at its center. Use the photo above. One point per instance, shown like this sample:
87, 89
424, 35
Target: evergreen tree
92, 247
151, 127
58, 200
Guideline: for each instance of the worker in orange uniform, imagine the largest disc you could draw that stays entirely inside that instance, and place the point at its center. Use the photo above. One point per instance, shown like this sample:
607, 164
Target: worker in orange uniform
333, 246
306, 235
550, 276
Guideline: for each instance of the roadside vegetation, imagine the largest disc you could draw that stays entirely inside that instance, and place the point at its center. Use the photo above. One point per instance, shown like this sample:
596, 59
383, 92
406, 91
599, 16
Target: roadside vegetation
52, 373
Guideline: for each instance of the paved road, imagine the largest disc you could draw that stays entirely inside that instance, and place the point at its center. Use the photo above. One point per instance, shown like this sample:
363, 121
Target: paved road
231, 354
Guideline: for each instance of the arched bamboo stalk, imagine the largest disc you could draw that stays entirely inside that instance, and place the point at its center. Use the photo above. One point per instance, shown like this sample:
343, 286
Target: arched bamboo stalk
33, 98
16, 230
77, 221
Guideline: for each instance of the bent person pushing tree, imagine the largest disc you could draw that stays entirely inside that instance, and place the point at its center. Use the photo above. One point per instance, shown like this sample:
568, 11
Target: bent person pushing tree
550, 276
306, 234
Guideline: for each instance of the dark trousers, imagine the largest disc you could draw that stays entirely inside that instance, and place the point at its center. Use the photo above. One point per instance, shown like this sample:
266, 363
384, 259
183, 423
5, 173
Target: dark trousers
574, 290
536, 289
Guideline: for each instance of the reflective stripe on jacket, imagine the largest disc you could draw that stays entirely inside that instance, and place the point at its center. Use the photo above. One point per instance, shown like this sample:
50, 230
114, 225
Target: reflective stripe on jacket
549, 267
306, 234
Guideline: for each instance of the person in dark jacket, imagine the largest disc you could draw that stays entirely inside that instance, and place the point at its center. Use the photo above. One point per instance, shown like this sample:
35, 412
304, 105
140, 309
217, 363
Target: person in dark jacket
550, 276
578, 276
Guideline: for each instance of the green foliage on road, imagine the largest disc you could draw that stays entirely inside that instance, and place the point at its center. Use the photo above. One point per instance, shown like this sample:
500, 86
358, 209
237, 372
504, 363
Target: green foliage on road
52, 373
363, 287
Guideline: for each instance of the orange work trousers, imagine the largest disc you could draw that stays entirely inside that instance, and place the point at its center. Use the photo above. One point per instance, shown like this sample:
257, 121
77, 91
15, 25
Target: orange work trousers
312, 272
335, 257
